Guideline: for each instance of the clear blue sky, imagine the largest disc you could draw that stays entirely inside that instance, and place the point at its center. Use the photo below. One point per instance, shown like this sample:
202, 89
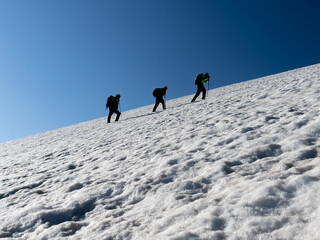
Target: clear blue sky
61, 59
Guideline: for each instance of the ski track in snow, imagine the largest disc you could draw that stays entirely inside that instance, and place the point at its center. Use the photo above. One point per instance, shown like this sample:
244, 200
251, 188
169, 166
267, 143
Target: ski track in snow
242, 164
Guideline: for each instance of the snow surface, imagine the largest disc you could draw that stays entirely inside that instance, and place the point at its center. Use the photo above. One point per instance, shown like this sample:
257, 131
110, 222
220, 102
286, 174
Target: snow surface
242, 164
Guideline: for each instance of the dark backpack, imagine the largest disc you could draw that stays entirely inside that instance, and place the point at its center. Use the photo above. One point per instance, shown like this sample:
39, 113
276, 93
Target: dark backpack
160, 92
108, 104
155, 92
199, 79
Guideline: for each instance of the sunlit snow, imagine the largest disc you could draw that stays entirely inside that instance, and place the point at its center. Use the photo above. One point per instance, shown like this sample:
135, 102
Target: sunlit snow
242, 164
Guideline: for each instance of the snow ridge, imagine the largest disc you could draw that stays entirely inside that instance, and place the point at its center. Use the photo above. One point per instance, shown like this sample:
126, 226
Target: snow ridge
242, 164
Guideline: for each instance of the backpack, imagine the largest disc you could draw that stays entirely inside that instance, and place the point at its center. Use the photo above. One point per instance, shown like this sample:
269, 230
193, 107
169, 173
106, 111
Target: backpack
109, 101
155, 92
199, 79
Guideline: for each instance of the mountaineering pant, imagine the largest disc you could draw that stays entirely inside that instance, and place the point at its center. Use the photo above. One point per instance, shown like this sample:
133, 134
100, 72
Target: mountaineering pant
202, 89
158, 101
112, 111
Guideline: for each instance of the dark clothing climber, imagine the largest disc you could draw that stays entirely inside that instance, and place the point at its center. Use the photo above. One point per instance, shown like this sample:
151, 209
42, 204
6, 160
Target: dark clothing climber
200, 82
113, 104
159, 93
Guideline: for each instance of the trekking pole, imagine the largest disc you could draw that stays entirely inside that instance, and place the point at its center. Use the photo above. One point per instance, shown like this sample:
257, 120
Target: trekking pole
165, 100
120, 111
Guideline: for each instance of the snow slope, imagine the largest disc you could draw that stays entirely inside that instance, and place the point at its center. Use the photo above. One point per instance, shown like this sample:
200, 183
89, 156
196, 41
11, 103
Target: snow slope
242, 164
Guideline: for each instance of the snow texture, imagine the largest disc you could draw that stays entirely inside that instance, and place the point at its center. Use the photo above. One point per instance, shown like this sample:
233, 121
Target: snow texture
242, 164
